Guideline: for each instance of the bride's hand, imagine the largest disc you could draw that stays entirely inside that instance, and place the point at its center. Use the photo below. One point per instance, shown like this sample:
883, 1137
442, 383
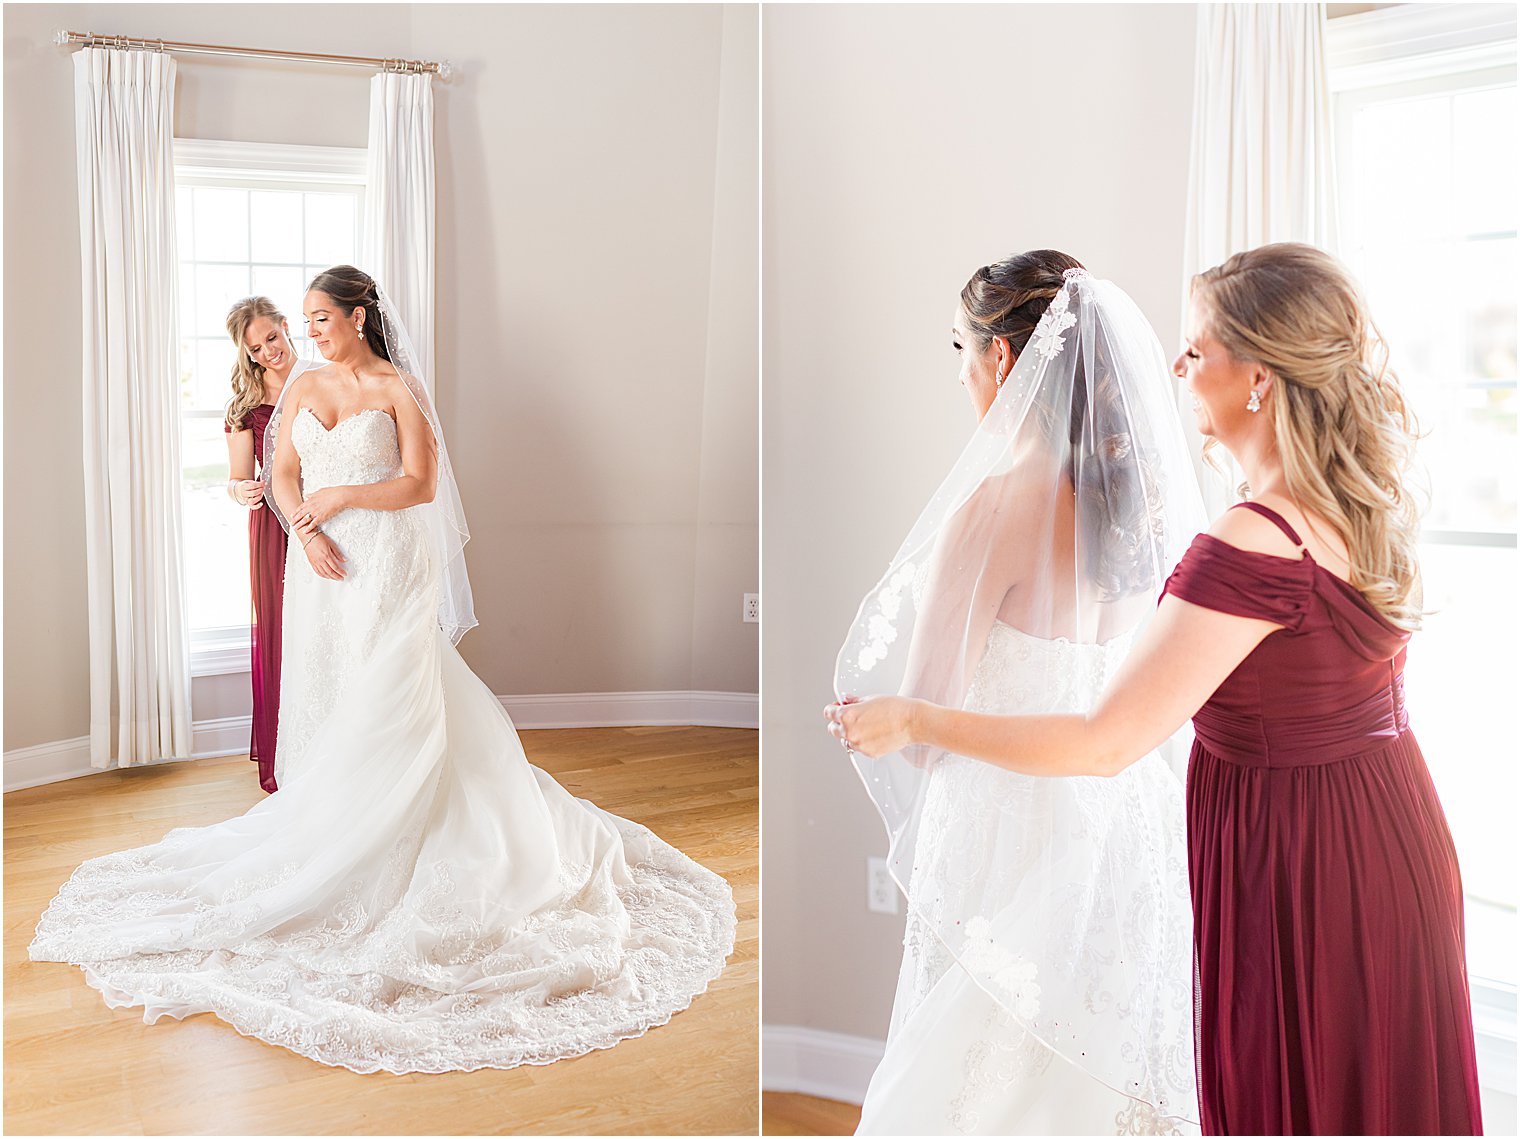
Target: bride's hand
319, 506
875, 726
325, 558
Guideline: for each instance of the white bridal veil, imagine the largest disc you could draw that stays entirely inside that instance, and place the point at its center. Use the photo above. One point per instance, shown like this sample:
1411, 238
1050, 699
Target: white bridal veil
445, 527
1062, 518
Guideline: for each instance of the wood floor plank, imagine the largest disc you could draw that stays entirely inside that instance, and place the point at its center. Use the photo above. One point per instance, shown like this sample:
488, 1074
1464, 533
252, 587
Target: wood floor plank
788, 1113
74, 1066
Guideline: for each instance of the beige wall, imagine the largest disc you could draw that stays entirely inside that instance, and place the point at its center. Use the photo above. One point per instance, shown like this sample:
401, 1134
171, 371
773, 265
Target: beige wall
596, 299
903, 148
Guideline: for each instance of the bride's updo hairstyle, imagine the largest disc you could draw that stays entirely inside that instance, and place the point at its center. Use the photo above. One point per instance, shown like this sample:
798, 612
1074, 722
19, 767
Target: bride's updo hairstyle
247, 373
1120, 500
1008, 297
354, 288
1342, 427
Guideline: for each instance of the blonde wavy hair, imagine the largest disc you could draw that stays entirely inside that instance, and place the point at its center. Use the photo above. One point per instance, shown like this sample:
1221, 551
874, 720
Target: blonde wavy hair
1344, 431
247, 375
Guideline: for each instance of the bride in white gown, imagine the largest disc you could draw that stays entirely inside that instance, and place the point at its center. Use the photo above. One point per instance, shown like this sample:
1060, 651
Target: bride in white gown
416, 897
1046, 981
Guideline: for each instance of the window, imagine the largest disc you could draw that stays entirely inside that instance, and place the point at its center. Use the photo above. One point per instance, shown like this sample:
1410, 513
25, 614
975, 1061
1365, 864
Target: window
1425, 113
252, 219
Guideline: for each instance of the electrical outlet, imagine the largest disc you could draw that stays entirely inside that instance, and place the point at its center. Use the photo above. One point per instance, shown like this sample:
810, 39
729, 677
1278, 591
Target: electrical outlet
751, 608
881, 891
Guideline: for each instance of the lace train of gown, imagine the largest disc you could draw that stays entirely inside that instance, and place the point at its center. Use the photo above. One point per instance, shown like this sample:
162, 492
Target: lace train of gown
957, 1061
416, 897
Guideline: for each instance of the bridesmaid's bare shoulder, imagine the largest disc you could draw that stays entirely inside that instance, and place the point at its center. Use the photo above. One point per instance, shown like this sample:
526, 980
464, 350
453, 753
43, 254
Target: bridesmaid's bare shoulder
1248, 530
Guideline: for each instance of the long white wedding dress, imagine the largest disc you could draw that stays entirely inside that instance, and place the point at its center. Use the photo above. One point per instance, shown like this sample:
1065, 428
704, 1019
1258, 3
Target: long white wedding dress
990, 842
416, 897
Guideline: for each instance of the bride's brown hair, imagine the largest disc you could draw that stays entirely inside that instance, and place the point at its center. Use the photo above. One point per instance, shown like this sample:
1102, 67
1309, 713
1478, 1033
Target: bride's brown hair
1342, 427
353, 288
1122, 518
1008, 297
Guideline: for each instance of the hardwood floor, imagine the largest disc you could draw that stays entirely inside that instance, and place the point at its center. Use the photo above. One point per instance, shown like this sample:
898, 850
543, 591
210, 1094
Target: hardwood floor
74, 1066
787, 1113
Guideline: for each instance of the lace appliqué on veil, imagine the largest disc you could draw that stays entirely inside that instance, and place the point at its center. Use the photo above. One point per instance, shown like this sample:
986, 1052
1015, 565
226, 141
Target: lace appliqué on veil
1047, 340
882, 630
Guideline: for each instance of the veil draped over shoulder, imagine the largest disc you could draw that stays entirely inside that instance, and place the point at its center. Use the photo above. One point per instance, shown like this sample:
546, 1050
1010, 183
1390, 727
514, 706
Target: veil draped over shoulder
445, 523
1061, 520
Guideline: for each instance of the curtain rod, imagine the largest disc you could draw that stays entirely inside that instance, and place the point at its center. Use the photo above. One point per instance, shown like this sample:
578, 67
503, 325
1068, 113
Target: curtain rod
407, 66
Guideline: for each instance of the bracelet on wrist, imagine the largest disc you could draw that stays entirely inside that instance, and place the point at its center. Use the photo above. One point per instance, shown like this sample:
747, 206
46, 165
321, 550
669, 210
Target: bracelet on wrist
308, 541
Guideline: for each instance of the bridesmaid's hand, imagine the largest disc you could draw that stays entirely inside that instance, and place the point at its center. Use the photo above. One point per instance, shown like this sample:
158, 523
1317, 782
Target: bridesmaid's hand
325, 558
875, 726
319, 506
251, 492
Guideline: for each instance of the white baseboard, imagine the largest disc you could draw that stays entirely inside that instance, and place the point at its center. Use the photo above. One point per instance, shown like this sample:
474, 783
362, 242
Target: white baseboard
832, 1065
70, 759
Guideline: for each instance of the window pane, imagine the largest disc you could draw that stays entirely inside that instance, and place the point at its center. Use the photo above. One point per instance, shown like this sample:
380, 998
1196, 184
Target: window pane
1485, 161
1394, 192
221, 224
330, 223
186, 298
1461, 674
186, 373
217, 289
276, 225
213, 374
1487, 273
281, 284
184, 222
215, 532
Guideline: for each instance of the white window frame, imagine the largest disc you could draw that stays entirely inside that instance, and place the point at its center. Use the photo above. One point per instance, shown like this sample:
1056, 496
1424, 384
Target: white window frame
256, 165
1424, 49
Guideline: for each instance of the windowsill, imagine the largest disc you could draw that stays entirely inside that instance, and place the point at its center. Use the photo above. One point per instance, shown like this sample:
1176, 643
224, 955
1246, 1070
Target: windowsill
222, 657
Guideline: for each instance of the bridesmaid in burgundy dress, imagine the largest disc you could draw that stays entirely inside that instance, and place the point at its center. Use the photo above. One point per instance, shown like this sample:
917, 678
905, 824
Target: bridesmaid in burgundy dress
266, 362
1332, 983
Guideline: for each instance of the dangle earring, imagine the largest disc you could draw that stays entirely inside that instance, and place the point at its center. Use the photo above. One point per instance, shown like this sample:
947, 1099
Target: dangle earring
1254, 403
361, 337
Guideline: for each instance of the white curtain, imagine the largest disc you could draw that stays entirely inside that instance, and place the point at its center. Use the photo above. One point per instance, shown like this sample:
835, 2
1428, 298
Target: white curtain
124, 132
1261, 168
398, 209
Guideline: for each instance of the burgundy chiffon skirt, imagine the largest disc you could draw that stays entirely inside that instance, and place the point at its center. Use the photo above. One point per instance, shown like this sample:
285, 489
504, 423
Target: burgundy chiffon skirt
1329, 929
266, 547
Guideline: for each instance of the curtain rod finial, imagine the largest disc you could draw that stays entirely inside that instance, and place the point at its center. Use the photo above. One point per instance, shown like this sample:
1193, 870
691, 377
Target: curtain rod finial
60, 37
445, 69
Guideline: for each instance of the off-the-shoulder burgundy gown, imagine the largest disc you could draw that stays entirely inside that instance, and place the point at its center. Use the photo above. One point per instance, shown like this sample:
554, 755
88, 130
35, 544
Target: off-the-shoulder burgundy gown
266, 580
1332, 983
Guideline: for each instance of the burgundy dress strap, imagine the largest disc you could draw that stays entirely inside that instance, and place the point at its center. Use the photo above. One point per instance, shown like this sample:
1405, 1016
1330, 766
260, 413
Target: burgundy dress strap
1272, 516
1244, 583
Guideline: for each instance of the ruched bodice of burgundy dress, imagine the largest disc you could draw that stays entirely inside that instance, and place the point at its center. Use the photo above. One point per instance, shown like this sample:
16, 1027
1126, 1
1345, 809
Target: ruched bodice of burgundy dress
266, 579
1327, 901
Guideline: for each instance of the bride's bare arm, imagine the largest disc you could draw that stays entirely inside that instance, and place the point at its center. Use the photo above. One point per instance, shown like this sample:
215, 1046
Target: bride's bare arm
1185, 653
416, 485
419, 462
286, 468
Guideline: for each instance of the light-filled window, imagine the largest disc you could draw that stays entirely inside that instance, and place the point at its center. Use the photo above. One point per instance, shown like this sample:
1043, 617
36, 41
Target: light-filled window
1429, 190
251, 220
